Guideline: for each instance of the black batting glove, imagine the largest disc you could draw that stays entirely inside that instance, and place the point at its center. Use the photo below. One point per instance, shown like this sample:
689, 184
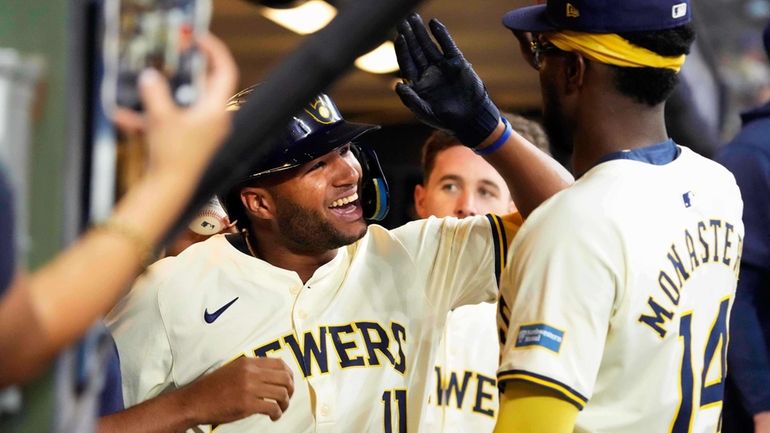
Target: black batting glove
441, 88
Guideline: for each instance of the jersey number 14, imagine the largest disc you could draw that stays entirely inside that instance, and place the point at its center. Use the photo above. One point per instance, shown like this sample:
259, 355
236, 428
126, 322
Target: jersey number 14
711, 393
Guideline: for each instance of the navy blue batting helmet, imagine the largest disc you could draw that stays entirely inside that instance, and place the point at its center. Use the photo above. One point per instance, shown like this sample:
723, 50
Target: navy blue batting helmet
314, 131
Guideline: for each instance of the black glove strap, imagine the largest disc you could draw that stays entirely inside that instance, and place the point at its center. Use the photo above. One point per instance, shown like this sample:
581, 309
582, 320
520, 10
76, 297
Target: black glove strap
484, 123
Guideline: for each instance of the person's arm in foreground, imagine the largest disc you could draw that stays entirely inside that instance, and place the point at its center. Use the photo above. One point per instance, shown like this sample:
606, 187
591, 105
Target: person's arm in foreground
50, 308
241, 388
443, 91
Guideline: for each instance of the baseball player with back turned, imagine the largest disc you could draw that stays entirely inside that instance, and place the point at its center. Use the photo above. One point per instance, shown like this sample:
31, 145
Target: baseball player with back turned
356, 311
616, 301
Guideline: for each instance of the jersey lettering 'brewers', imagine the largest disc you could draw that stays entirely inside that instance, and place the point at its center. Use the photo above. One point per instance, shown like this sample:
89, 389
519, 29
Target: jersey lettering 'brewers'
355, 311
358, 335
359, 327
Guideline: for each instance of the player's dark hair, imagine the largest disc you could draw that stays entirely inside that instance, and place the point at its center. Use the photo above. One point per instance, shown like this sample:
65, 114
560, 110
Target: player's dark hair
652, 86
438, 141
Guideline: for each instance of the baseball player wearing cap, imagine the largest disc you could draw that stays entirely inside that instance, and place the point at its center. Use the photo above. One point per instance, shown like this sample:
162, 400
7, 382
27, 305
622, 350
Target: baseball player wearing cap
355, 311
616, 301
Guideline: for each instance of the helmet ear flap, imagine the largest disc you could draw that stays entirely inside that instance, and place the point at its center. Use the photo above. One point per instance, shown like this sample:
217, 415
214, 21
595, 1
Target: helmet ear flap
375, 196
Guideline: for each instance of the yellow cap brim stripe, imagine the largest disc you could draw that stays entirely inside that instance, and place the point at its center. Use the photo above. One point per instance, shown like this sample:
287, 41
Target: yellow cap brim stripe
611, 49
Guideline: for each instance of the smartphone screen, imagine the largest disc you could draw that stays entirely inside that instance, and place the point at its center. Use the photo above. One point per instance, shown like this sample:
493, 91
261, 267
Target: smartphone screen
160, 34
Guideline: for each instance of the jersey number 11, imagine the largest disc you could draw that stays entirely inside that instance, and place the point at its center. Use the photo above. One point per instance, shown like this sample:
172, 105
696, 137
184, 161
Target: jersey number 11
395, 417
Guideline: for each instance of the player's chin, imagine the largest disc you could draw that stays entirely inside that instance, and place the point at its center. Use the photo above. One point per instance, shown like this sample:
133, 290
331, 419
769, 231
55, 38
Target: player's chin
351, 231
348, 221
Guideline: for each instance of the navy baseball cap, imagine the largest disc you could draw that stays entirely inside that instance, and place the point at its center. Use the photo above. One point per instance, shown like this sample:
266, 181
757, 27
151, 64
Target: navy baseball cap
600, 16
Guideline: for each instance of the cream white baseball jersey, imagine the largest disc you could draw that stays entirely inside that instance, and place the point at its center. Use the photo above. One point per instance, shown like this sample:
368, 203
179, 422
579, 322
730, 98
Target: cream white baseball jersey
463, 391
618, 296
360, 335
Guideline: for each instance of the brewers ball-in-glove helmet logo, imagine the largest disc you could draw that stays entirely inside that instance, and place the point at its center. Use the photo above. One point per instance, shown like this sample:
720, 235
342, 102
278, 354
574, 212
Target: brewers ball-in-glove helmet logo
320, 110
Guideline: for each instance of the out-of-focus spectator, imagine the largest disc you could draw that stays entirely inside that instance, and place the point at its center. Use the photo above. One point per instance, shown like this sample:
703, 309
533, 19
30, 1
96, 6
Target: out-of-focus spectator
47, 310
747, 396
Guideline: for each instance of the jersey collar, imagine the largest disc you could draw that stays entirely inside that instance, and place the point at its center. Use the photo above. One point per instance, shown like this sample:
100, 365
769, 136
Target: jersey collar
657, 154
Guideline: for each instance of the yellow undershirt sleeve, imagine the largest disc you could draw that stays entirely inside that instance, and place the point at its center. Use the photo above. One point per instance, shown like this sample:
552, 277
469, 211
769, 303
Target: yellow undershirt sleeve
528, 408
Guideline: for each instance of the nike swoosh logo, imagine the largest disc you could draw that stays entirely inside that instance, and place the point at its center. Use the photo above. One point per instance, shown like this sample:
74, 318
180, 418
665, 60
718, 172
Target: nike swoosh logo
211, 317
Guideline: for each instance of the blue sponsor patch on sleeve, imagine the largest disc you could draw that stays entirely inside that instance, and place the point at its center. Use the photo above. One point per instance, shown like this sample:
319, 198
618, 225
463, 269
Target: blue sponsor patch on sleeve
540, 334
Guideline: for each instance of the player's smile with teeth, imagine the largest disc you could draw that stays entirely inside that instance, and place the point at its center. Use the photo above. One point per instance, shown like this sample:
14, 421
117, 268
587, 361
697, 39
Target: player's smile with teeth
347, 209
344, 200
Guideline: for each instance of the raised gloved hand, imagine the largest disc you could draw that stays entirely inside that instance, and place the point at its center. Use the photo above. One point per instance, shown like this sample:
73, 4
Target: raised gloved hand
441, 87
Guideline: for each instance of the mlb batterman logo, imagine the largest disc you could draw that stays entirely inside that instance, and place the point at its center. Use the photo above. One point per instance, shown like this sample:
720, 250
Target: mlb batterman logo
322, 111
687, 198
679, 10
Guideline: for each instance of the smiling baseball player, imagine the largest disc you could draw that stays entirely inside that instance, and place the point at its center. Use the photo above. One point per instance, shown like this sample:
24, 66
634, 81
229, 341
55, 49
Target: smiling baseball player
356, 311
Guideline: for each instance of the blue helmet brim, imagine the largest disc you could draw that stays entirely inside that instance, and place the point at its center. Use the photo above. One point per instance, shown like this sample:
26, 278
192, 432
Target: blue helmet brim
318, 144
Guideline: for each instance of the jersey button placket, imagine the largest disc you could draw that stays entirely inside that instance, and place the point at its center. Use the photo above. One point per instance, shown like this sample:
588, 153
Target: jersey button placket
326, 419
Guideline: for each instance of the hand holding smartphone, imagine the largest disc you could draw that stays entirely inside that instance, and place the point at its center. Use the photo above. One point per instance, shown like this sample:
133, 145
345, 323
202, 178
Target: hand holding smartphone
159, 34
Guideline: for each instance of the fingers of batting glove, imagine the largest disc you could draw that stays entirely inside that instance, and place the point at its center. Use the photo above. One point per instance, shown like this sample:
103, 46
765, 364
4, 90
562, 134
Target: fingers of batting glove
408, 68
415, 50
430, 49
417, 105
444, 39
413, 101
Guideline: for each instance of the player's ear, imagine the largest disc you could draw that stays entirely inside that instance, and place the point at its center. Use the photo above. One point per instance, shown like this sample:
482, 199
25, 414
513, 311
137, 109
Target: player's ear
258, 202
419, 201
574, 72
